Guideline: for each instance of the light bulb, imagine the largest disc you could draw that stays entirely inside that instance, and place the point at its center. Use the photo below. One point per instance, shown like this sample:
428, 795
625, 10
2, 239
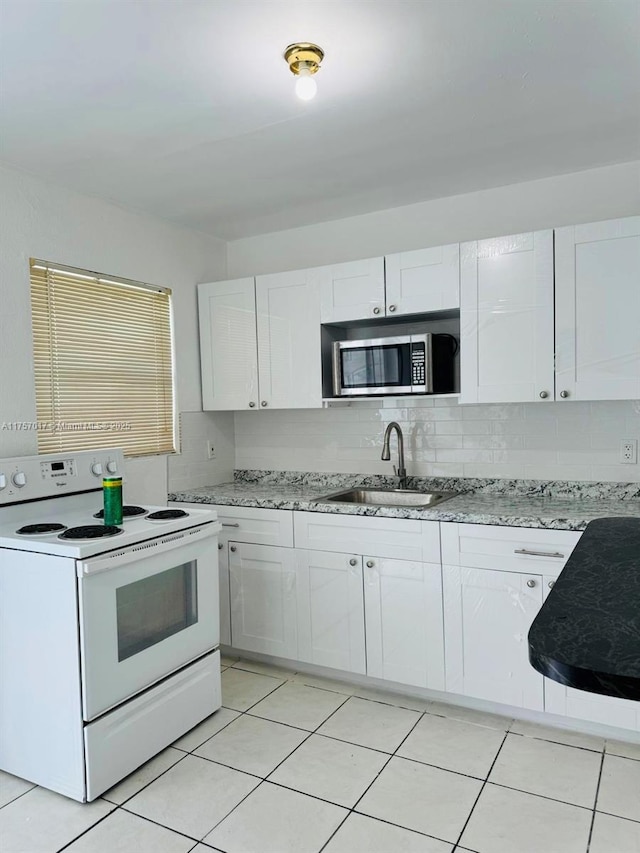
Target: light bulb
306, 86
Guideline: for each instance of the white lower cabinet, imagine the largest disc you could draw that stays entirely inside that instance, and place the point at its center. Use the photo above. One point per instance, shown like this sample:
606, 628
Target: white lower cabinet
403, 618
487, 616
330, 610
263, 599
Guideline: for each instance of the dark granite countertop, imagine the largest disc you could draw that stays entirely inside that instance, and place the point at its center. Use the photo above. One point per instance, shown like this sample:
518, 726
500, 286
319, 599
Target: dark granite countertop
587, 634
511, 503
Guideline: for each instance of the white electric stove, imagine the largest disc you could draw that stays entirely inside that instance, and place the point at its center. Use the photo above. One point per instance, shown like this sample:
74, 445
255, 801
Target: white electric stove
108, 634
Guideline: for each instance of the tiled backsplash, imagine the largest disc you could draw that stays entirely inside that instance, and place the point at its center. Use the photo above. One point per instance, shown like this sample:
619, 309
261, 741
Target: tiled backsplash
191, 467
549, 441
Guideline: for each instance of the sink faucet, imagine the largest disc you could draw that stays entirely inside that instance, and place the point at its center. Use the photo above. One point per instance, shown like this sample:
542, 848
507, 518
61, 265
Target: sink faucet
400, 471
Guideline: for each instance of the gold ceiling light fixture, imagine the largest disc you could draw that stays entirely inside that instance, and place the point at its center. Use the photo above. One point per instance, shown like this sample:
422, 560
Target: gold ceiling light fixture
304, 61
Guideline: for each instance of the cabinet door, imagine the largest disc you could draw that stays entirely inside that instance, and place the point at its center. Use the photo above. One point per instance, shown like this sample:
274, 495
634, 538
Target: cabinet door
506, 319
403, 617
263, 599
225, 598
583, 705
351, 291
289, 363
424, 280
598, 310
487, 618
228, 344
330, 610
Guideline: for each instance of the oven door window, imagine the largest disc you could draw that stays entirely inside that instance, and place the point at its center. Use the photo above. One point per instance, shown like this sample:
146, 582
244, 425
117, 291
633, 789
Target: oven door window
372, 367
154, 608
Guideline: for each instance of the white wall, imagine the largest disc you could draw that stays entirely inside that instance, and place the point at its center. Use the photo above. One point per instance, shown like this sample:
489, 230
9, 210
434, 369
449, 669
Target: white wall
556, 441
589, 196
46, 221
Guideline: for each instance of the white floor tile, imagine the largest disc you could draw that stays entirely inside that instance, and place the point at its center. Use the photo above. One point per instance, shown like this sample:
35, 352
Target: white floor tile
299, 705
361, 834
453, 745
548, 769
388, 698
422, 798
141, 777
624, 749
42, 822
12, 787
275, 820
193, 796
468, 715
323, 683
206, 729
263, 668
241, 690
330, 769
122, 832
506, 821
614, 835
251, 744
228, 661
371, 724
619, 791
557, 735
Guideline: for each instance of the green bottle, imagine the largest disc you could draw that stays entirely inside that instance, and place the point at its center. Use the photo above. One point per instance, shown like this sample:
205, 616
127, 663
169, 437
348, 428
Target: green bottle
112, 498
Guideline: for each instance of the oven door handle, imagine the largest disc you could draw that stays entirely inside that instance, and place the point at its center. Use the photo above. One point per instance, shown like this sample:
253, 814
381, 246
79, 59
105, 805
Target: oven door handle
146, 548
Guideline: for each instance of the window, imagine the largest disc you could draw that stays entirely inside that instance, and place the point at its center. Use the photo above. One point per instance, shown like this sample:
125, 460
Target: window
103, 362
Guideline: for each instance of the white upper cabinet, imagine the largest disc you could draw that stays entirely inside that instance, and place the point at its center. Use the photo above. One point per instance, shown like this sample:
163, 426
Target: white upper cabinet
598, 310
351, 291
506, 319
289, 364
228, 344
260, 342
424, 280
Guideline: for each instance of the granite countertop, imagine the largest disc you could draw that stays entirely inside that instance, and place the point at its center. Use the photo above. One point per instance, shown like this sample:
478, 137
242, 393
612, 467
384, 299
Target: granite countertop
512, 503
587, 634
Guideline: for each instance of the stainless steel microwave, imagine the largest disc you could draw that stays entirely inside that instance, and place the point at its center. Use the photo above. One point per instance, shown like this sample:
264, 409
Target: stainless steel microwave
409, 364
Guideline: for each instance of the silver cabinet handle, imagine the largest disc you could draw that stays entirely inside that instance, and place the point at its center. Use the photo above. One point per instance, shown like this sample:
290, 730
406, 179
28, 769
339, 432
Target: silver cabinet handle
564, 394
392, 308
370, 564
230, 524
233, 548
264, 403
252, 405
220, 546
539, 553
544, 395
353, 562
551, 584
531, 583
376, 310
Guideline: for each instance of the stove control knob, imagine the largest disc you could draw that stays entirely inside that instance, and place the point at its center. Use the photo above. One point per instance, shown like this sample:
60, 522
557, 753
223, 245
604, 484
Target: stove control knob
112, 467
96, 469
3, 481
19, 479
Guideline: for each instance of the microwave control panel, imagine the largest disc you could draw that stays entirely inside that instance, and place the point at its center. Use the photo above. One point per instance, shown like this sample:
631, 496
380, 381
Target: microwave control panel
417, 364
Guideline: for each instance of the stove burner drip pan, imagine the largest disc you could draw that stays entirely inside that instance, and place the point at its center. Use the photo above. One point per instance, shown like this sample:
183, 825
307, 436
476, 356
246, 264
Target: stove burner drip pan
40, 529
167, 515
91, 531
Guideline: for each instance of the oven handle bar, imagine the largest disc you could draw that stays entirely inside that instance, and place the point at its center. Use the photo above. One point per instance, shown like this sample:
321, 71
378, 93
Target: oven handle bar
161, 545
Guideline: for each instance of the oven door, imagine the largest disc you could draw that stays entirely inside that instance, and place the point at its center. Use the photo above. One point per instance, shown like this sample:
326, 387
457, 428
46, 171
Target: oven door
145, 612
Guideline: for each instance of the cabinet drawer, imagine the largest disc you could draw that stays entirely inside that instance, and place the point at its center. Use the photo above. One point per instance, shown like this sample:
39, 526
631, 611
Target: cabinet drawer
510, 549
396, 538
251, 524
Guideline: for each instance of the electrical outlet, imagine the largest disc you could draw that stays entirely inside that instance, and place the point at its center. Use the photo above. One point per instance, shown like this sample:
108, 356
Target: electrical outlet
629, 451
211, 451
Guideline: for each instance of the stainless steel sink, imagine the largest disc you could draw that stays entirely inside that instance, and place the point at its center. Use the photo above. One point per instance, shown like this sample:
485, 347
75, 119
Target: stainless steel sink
389, 497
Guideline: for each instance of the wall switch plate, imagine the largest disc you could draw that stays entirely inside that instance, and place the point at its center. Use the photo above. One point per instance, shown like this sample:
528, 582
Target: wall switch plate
629, 451
211, 451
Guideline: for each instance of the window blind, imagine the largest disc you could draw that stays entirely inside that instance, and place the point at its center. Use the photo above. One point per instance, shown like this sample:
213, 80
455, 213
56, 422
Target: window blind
103, 362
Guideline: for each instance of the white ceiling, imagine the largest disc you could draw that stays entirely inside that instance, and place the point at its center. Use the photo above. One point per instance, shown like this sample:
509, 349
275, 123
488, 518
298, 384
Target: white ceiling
186, 109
